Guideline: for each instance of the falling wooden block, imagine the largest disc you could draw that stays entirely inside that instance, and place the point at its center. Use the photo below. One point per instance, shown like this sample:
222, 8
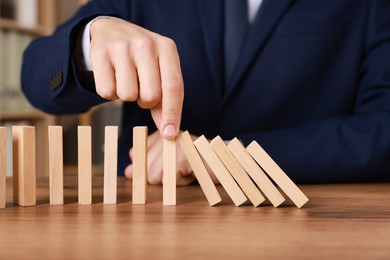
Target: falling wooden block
222, 174
85, 164
110, 164
3, 154
199, 168
56, 166
24, 165
255, 172
169, 172
238, 173
140, 143
277, 174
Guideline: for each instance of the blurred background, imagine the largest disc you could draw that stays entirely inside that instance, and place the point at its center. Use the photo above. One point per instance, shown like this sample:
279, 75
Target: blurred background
20, 22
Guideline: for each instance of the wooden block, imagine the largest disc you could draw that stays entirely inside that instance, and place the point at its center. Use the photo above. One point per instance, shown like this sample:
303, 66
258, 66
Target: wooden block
85, 164
3, 169
110, 164
24, 165
222, 174
256, 173
199, 169
56, 165
169, 172
140, 144
238, 173
277, 174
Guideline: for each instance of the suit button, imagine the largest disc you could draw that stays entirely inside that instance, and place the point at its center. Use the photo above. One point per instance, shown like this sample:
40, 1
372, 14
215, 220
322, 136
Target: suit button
56, 81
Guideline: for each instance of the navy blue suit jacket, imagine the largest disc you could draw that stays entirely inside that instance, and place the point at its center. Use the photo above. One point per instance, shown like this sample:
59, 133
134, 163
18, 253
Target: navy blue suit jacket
312, 83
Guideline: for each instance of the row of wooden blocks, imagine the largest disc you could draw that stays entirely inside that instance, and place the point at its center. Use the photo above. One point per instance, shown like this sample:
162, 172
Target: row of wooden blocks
243, 172
24, 165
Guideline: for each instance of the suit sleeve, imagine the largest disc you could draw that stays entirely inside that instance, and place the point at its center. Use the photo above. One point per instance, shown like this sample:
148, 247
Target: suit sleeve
353, 148
51, 78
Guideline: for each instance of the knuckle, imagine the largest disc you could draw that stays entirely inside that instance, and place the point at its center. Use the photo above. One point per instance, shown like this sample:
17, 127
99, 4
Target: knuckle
144, 44
168, 44
98, 49
151, 96
146, 105
127, 94
106, 93
120, 46
154, 179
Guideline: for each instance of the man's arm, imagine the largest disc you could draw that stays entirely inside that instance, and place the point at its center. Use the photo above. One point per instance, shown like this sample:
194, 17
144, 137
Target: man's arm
141, 66
129, 63
50, 77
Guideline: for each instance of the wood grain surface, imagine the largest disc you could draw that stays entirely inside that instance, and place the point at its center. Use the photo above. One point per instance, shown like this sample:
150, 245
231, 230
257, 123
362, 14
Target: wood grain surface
341, 221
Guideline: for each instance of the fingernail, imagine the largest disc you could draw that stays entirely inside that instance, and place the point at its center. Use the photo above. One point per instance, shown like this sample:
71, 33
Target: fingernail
169, 131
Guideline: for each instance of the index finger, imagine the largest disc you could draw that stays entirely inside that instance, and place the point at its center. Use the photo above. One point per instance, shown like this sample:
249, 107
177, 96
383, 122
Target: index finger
172, 90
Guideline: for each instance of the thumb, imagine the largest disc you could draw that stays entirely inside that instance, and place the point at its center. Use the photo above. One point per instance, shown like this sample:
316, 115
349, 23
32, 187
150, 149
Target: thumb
129, 171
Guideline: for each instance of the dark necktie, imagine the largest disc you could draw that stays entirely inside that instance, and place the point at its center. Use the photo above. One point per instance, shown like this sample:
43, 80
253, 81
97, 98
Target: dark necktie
236, 24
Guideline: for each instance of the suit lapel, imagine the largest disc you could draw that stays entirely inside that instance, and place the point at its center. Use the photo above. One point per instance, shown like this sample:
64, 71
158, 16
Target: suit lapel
211, 17
266, 19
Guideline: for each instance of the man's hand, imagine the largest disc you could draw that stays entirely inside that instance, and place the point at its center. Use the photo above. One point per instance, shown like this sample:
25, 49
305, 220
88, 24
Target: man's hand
184, 174
133, 64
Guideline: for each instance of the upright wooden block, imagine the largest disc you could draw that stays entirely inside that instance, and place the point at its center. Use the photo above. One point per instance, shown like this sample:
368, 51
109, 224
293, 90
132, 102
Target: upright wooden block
24, 165
222, 174
256, 173
3, 154
110, 164
277, 174
169, 172
140, 143
238, 173
85, 164
199, 168
56, 165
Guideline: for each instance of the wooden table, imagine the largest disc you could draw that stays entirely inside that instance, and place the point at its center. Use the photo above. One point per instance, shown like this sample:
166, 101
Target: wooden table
343, 221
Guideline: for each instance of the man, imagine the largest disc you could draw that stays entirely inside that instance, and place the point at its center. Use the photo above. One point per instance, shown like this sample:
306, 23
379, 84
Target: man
310, 82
